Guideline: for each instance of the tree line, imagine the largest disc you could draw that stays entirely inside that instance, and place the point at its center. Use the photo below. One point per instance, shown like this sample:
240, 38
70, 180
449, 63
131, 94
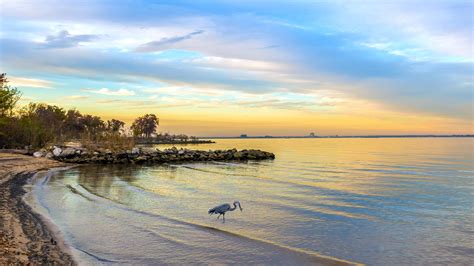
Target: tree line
37, 125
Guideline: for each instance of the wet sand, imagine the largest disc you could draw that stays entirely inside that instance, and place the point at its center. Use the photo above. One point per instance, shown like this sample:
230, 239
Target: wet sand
24, 235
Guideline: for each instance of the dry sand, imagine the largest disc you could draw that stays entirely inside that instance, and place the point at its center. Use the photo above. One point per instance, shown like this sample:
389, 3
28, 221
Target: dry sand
24, 236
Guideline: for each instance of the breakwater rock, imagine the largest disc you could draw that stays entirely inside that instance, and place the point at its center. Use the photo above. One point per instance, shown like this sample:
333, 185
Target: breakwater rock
150, 155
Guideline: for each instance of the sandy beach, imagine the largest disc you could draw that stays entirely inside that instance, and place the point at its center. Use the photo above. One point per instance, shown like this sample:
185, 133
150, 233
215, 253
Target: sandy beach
24, 236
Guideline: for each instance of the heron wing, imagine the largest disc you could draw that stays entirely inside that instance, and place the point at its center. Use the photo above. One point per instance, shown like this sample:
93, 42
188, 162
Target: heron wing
220, 209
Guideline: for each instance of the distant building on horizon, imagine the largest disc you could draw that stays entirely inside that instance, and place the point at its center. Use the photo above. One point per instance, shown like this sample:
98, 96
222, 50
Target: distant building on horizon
243, 136
312, 134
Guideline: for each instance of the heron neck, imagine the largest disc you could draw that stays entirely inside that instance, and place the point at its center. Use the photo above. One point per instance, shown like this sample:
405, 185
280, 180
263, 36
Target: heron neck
235, 207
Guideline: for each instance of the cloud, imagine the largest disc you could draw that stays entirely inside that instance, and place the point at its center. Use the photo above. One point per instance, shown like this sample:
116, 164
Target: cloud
76, 97
395, 84
140, 104
110, 101
158, 45
106, 91
236, 63
30, 83
440, 29
95, 65
397, 60
64, 39
26, 99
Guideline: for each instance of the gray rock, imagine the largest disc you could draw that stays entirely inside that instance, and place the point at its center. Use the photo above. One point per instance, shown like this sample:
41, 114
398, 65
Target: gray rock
135, 150
49, 155
68, 152
238, 155
148, 150
38, 154
57, 151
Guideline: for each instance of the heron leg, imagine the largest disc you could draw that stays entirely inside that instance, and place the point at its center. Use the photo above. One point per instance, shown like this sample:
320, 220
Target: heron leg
219, 216
223, 218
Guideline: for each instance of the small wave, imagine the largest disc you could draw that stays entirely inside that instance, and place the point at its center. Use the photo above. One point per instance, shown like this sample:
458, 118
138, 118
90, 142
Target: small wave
77, 192
45, 180
96, 257
242, 165
98, 195
216, 172
164, 237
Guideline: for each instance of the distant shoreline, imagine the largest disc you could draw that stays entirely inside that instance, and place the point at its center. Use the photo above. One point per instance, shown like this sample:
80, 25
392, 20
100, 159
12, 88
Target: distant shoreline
344, 137
174, 142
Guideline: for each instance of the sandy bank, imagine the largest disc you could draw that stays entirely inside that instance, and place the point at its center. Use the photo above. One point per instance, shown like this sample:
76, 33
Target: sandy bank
24, 237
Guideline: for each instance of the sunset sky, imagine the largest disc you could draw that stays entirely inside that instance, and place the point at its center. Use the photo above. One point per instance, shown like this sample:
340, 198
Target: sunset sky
223, 68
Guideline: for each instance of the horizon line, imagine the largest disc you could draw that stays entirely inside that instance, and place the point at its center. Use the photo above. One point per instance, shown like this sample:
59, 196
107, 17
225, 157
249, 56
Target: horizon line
345, 136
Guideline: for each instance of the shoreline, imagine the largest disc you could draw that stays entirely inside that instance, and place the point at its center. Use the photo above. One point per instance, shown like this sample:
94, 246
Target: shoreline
25, 235
172, 142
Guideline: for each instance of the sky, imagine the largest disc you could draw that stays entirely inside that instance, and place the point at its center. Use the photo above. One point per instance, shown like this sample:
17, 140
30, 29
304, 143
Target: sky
225, 68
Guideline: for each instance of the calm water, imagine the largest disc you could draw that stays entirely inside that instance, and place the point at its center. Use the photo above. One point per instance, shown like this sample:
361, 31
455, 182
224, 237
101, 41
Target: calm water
374, 201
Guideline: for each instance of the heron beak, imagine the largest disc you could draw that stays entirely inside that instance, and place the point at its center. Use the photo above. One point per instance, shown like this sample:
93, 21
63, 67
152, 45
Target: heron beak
241, 209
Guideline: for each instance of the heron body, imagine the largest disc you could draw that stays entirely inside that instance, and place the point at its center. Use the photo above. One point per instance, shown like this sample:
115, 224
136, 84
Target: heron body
222, 209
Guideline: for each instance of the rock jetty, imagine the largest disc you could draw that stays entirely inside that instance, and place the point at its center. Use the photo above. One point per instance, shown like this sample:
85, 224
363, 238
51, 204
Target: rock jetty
146, 155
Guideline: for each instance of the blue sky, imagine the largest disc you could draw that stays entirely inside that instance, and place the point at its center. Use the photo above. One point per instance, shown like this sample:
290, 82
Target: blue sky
398, 66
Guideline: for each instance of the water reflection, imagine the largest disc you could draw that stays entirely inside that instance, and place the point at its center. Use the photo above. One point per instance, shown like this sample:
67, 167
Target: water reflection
376, 201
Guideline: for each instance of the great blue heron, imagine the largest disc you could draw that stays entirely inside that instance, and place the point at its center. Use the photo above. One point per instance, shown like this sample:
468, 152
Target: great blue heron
222, 209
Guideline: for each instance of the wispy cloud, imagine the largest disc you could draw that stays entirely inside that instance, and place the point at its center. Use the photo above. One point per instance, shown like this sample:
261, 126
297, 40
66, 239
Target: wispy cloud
30, 83
75, 97
140, 104
106, 91
64, 39
109, 101
158, 45
236, 63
